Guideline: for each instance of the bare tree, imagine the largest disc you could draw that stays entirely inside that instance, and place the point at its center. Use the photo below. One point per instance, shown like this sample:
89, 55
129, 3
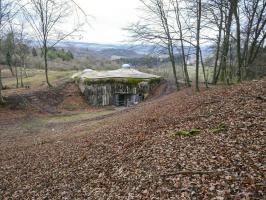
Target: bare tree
254, 13
11, 51
237, 27
45, 18
170, 47
156, 28
242, 32
6, 13
177, 11
22, 50
216, 9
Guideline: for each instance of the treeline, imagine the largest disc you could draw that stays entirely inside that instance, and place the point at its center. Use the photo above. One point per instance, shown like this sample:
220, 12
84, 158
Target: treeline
235, 28
54, 53
149, 61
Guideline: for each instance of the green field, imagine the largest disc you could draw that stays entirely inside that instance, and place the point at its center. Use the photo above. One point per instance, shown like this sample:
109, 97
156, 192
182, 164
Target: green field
36, 77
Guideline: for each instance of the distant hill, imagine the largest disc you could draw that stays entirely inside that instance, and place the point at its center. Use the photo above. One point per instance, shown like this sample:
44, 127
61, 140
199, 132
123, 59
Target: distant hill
118, 51
105, 51
109, 50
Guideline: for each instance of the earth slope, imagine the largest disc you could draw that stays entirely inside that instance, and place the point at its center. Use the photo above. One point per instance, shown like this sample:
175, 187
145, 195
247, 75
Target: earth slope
140, 152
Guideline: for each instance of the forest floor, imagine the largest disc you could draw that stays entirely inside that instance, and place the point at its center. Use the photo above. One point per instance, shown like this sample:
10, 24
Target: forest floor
179, 145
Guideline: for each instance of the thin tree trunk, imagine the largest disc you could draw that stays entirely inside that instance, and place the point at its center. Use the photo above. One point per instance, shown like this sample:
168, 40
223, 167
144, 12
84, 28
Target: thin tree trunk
214, 80
16, 73
172, 58
11, 70
198, 43
238, 40
21, 77
185, 65
223, 64
255, 47
1, 82
203, 70
182, 44
231, 67
165, 25
247, 40
46, 66
24, 69
1, 87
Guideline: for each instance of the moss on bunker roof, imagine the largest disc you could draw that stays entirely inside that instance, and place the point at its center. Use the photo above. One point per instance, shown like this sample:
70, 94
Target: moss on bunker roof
126, 75
128, 80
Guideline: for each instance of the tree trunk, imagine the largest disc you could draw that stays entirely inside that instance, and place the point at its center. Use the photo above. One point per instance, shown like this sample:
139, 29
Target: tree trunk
1, 82
231, 71
259, 30
24, 69
16, 73
165, 25
11, 70
1, 87
223, 64
46, 66
203, 70
21, 77
185, 65
182, 44
198, 43
214, 79
172, 60
247, 39
238, 40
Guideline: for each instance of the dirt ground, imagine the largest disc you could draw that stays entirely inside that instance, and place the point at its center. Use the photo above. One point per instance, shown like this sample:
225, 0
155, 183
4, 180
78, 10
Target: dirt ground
41, 115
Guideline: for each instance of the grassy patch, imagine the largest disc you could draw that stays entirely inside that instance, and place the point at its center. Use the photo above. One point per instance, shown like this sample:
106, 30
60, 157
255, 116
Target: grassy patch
191, 132
70, 106
37, 77
34, 124
220, 128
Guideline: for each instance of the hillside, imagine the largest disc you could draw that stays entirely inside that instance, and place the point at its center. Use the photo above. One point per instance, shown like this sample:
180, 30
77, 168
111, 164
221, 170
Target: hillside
185, 145
107, 51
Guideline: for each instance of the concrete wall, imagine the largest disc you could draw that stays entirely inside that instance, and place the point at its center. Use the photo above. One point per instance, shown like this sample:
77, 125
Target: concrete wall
114, 94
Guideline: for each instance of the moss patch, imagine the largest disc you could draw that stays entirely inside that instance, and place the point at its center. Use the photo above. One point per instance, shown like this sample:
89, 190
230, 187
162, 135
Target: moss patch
191, 132
128, 81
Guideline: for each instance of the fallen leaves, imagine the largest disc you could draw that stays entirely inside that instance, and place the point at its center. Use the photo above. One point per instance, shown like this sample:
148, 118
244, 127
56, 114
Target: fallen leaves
133, 156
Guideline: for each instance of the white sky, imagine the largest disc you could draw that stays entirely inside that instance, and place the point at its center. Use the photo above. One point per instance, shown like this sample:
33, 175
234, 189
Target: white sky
109, 18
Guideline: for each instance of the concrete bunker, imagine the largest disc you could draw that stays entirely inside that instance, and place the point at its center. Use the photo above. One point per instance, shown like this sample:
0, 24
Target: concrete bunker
122, 87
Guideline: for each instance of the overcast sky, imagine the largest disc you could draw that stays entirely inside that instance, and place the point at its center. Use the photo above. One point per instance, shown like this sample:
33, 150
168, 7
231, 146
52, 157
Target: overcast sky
109, 18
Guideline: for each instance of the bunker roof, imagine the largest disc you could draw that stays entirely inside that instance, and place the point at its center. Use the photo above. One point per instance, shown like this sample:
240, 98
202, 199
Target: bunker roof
119, 73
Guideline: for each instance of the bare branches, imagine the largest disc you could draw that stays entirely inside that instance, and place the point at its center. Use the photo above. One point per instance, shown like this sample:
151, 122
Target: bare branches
46, 18
235, 28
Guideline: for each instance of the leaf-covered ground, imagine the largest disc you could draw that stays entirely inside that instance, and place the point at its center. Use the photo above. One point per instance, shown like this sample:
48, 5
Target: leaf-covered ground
181, 146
